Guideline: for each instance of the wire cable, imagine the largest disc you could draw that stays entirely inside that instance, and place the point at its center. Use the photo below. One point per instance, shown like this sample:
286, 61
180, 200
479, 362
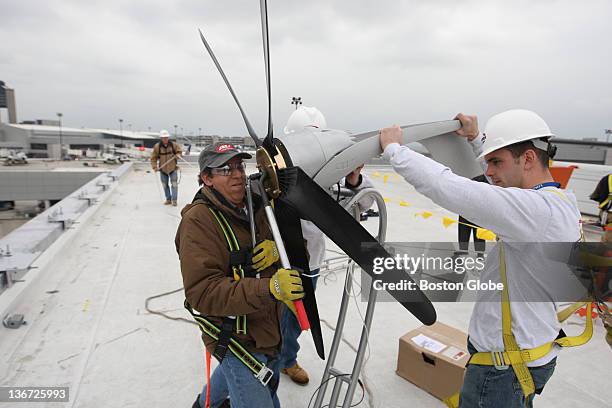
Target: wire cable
331, 378
162, 314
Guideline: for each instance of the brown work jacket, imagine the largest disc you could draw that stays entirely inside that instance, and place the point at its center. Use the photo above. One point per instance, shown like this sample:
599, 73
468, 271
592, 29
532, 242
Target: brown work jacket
166, 156
208, 279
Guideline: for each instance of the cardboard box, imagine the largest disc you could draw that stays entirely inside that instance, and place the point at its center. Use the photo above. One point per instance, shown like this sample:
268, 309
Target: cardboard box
434, 358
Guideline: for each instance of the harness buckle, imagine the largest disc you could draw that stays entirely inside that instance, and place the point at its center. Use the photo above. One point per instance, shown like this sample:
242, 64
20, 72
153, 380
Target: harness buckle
264, 375
498, 356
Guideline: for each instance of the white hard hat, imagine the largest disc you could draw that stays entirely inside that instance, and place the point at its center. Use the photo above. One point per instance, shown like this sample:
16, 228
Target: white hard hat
163, 133
515, 126
305, 116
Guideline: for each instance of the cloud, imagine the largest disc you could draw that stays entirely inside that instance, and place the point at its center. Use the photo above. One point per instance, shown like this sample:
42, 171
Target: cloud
364, 64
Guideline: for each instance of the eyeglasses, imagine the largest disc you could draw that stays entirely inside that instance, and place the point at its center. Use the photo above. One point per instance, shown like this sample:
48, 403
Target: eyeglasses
227, 169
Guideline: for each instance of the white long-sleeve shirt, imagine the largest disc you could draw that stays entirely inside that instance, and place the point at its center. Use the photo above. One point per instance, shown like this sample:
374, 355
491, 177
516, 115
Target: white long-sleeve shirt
517, 216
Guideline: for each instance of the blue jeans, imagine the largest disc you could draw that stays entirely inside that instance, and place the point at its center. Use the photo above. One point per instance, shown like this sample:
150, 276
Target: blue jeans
486, 386
290, 331
172, 190
234, 380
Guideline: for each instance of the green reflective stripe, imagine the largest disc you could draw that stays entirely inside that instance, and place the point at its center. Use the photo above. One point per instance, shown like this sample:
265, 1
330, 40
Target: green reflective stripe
236, 348
229, 243
607, 200
232, 243
241, 324
231, 232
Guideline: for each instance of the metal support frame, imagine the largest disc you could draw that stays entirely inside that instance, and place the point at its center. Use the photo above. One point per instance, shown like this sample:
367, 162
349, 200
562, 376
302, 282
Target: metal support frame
332, 373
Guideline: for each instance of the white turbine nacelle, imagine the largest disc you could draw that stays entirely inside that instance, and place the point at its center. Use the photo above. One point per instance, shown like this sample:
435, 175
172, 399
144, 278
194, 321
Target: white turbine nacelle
328, 155
311, 148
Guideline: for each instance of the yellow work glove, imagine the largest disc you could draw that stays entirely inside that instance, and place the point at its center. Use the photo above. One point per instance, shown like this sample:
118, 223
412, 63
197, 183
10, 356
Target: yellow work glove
264, 255
286, 286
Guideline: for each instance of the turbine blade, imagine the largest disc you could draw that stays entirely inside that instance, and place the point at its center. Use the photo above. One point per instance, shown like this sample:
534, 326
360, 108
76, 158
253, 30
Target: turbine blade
227, 83
263, 5
313, 203
291, 230
444, 147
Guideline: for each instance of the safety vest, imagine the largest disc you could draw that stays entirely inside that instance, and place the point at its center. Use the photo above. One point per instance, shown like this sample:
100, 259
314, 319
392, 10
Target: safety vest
515, 357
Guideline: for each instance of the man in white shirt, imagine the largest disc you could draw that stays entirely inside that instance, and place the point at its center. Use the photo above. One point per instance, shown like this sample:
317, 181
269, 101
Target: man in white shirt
522, 204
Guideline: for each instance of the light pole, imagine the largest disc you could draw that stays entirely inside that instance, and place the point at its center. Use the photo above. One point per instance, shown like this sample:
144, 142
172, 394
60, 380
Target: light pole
200, 135
121, 127
175, 127
296, 100
59, 116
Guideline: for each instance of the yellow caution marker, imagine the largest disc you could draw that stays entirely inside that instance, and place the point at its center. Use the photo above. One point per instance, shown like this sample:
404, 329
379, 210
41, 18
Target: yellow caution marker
485, 234
387, 199
448, 221
385, 178
404, 204
424, 214
376, 174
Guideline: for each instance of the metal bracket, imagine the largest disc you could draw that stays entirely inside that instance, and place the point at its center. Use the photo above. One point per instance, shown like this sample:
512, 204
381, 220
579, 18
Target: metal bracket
91, 200
59, 217
104, 186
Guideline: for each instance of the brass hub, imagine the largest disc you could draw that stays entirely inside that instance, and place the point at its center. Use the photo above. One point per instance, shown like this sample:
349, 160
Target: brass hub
267, 167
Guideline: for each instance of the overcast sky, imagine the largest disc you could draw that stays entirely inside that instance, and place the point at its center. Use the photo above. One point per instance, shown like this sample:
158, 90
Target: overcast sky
364, 64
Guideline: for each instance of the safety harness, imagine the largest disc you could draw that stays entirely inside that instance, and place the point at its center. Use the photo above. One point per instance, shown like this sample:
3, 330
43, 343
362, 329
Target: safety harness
223, 335
170, 144
517, 358
512, 355
606, 203
237, 261
259, 370
165, 152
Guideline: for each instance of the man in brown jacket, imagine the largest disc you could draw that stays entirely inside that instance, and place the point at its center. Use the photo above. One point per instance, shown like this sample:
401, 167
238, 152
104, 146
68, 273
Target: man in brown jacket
164, 158
237, 289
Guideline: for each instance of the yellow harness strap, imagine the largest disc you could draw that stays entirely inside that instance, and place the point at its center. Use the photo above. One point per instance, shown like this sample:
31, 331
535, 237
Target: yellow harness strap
513, 356
232, 243
607, 200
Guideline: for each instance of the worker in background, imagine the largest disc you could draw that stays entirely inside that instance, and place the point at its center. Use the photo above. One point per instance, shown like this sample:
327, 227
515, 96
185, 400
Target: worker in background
522, 205
467, 228
304, 117
237, 290
164, 158
603, 195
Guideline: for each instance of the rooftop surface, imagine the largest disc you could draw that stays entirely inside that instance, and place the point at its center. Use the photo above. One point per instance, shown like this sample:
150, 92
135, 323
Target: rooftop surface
87, 327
